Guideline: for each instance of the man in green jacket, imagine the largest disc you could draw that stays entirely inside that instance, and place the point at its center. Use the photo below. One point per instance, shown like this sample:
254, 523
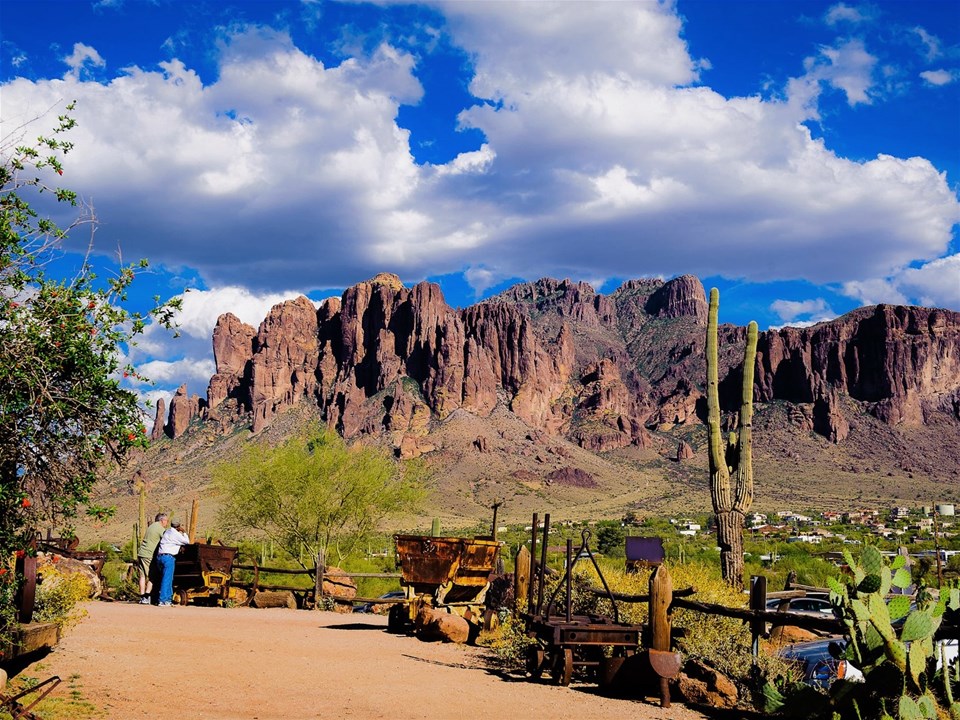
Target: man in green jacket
146, 552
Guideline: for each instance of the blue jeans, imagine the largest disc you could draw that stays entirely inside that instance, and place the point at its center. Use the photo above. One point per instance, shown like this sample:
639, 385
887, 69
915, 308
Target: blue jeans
166, 579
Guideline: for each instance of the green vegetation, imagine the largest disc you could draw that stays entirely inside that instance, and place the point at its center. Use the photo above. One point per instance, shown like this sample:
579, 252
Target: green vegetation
71, 705
63, 414
891, 642
60, 596
315, 491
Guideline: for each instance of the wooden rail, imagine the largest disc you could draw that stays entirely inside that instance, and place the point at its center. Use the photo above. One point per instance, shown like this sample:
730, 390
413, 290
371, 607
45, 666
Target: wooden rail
318, 577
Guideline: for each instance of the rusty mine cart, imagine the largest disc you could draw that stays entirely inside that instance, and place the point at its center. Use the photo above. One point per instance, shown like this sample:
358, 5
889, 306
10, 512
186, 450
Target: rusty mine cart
202, 573
445, 573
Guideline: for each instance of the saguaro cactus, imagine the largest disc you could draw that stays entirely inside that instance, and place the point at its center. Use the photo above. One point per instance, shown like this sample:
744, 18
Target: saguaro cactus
731, 463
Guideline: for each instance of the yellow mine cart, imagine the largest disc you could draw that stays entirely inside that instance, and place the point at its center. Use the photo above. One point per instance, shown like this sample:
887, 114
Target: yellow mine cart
447, 573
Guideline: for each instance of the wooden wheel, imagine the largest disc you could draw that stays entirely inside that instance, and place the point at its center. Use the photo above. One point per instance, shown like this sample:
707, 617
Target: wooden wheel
535, 658
562, 666
182, 597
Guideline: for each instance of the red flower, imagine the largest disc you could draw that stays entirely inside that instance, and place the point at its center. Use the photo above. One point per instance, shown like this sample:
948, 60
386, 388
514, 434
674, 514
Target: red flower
20, 554
25, 503
91, 305
3, 571
131, 437
14, 305
59, 171
54, 559
126, 374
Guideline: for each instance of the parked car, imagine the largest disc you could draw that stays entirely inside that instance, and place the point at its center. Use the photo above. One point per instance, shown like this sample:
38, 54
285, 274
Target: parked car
818, 607
818, 664
821, 668
371, 607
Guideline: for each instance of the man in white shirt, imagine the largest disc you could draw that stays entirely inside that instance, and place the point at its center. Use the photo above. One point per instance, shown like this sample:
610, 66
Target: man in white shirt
170, 543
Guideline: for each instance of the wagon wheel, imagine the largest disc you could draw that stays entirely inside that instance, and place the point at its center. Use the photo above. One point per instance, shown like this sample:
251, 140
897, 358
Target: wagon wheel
562, 666
25, 601
182, 597
535, 658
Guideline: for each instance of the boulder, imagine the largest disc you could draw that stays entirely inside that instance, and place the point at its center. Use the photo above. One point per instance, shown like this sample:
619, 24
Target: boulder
69, 566
684, 451
437, 625
787, 634
338, 587
701, 684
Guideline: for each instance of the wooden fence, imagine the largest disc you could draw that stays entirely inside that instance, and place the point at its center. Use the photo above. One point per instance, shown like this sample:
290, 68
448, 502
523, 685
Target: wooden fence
318, 573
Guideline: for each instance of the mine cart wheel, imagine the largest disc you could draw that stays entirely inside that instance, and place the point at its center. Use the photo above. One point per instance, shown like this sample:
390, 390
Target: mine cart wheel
535, 658
182, 597
397, 619
562, 666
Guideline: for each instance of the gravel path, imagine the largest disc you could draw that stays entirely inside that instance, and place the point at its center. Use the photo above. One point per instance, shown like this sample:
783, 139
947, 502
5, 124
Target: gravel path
210, 663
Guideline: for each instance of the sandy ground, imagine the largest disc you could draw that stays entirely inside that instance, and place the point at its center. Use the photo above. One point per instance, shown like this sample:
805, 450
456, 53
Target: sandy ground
139, 661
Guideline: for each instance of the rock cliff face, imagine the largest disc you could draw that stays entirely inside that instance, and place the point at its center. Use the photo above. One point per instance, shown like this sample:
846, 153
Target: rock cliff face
602, 371
901, 363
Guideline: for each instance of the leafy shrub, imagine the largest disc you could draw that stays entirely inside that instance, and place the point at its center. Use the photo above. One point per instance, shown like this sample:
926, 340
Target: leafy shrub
59, 595
509, 643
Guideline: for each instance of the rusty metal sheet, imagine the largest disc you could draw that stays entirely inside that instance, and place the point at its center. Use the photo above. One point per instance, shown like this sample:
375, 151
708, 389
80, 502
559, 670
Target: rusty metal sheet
426, 560
666, 664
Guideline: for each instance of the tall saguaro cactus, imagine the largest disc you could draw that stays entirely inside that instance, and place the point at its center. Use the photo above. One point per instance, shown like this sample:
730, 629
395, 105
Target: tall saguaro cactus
731, 462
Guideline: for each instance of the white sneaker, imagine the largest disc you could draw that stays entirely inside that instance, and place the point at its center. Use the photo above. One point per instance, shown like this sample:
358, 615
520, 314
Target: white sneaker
145, 600
166, 604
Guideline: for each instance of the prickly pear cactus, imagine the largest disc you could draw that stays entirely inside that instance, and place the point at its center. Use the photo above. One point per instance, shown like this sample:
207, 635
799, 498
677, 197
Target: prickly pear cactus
891, 641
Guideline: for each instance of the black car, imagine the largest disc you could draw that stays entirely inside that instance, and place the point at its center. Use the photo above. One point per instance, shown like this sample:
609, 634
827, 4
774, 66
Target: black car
368, 607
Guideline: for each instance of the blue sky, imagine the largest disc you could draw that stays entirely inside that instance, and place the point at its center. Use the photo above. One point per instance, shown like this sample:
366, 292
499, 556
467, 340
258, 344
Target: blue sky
804, 157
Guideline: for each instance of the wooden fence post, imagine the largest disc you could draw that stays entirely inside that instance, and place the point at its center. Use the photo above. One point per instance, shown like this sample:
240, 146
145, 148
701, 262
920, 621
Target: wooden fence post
661, 596
317, 580
758, 601
194, 512
521, 578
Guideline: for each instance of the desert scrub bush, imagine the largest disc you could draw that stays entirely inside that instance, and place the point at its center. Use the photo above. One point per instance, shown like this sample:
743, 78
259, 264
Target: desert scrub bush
59, 595
722, 643
508, 642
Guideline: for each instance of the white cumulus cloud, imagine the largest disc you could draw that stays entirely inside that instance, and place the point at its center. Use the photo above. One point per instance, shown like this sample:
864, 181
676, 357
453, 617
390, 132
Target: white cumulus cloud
939, 77
803, 312
82, 57
603, 156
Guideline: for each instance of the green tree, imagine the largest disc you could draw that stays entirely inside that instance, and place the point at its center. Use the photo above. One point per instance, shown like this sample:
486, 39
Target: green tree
610, 538
63, 414
314, 489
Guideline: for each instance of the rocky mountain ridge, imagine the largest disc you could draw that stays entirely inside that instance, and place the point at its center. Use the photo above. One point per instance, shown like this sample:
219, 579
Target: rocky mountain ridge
603, 371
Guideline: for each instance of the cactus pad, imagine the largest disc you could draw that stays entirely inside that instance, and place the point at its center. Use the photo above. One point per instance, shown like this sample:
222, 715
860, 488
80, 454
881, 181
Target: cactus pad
918, 625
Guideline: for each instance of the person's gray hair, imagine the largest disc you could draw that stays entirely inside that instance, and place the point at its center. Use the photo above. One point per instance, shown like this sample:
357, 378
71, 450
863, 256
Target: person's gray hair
160, 517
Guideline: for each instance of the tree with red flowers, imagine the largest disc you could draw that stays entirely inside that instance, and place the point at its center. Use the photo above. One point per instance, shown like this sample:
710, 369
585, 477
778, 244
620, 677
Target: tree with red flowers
63, 414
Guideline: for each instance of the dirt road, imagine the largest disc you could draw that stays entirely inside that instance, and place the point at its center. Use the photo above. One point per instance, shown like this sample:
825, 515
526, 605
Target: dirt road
138, 661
